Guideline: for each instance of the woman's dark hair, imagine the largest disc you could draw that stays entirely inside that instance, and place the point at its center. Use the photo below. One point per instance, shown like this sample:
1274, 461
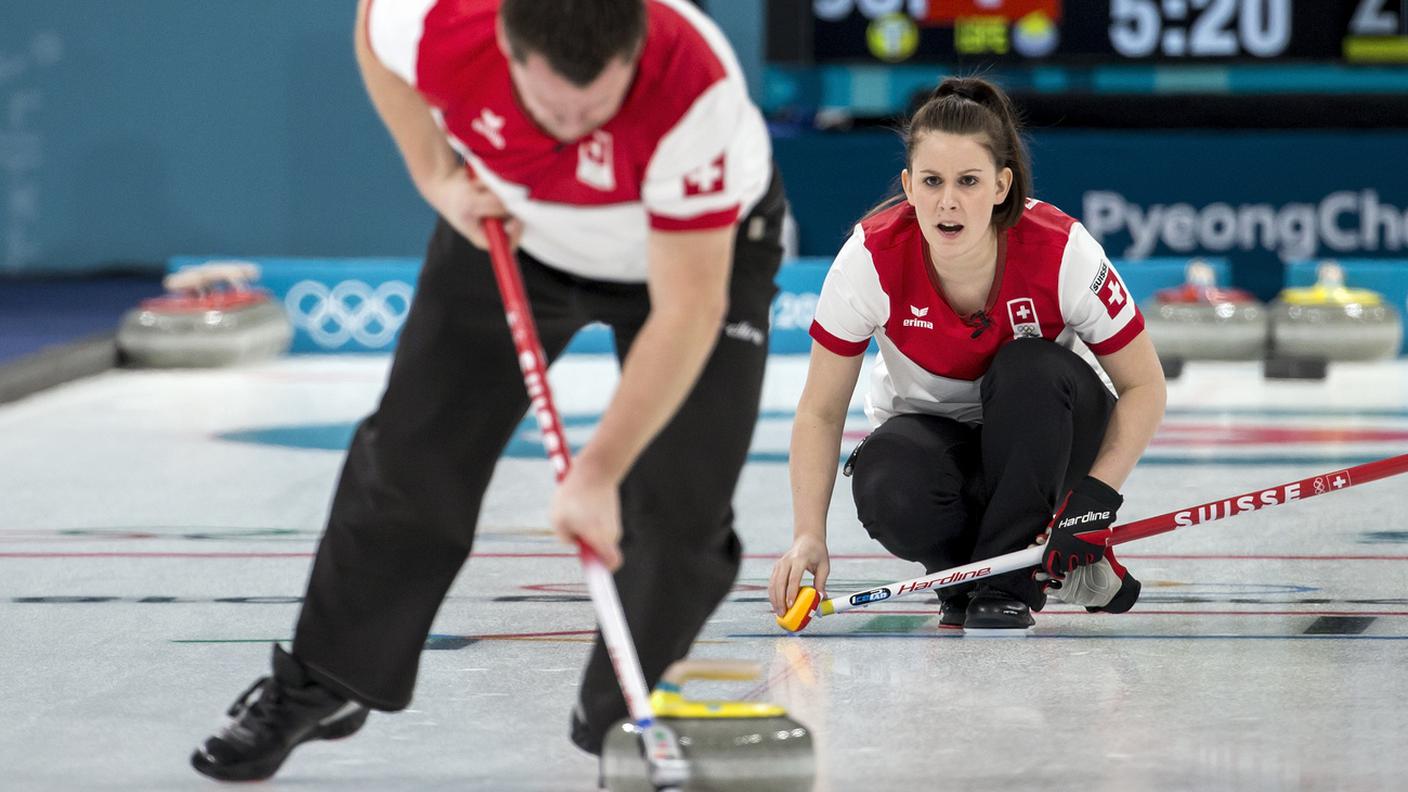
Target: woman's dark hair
974, 106
577, 37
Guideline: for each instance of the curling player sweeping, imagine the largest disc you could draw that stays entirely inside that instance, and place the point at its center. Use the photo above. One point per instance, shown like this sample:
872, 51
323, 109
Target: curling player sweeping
634, 176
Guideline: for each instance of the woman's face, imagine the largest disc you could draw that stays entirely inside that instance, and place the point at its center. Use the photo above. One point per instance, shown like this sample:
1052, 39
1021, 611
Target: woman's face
953, 185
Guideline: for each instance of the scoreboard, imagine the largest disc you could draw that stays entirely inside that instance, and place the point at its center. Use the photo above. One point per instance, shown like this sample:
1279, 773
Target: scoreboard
1091, 31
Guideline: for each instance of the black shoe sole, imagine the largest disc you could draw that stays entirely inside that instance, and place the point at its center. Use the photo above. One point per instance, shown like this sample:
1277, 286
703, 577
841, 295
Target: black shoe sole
1006, 630
247, 771
265, 767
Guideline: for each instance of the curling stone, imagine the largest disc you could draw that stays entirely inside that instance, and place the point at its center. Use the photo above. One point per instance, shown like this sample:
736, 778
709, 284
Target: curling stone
1199, 321
1330, 321
730, 746
210, 316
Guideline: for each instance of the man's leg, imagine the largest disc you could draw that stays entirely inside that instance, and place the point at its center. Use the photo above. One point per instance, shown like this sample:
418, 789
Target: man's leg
681, 554
403, 517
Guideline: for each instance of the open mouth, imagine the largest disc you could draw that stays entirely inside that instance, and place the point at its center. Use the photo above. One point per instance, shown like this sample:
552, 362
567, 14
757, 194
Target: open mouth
950, 229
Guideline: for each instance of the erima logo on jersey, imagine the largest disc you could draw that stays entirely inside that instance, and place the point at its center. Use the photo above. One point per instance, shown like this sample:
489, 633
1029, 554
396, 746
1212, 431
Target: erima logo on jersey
491, 127
918, 320
594, 162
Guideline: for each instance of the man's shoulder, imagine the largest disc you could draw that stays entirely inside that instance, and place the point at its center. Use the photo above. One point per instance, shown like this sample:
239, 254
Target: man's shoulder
683, 58
427, 42
680, 31
457, 29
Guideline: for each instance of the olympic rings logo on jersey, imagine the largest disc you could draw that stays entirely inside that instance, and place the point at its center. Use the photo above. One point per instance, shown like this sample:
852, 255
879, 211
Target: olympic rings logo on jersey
351, 310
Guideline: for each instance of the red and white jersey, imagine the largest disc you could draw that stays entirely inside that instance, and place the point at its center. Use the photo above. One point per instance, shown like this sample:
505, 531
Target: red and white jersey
687, 150
1054, 282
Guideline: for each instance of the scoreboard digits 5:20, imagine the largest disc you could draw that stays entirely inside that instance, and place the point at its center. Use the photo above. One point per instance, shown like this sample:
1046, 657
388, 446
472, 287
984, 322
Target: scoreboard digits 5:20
1110, 30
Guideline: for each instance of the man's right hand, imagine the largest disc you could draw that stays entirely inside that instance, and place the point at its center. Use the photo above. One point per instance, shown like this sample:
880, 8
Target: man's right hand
464, 202
807, 554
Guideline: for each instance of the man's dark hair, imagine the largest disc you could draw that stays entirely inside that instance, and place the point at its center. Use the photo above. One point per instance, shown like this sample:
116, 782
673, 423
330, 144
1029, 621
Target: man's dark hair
577, 37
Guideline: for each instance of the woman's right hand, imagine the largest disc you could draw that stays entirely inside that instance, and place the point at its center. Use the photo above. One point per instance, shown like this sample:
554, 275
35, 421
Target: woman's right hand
807, 554
464, 202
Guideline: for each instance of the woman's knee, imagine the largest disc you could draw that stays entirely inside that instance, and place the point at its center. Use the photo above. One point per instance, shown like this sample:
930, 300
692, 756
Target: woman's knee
1033, 356
907, 497
1032, 367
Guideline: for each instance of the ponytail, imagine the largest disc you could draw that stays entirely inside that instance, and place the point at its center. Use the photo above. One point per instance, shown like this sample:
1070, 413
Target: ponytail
974, 106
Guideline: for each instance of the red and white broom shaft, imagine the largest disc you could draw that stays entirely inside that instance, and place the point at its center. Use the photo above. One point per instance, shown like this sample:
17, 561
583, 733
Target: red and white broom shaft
1301, 489
610, 616
1304, 488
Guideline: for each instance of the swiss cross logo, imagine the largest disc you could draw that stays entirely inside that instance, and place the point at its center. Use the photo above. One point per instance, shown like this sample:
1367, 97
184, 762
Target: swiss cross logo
1108, 288
1021, 313
594, 162
706, 179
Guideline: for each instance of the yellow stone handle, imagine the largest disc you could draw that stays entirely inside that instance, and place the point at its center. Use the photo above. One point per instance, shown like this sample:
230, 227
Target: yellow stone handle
668, 701
684, 670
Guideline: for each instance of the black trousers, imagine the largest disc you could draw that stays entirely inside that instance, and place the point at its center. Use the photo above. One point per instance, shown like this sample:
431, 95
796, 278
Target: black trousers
942, 493
403, 518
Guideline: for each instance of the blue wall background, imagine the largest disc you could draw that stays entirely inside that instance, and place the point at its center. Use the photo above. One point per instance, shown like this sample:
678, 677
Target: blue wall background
1165, 181
133, 131
360, 304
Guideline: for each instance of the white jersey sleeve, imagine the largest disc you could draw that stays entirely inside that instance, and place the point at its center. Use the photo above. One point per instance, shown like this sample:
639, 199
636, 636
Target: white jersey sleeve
853, 306
1094, 301
394, 30
711, 164
715, 163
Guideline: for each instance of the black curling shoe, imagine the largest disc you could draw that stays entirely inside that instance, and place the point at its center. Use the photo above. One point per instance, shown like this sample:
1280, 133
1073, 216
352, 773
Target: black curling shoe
289, 709
995, 613
953, 611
